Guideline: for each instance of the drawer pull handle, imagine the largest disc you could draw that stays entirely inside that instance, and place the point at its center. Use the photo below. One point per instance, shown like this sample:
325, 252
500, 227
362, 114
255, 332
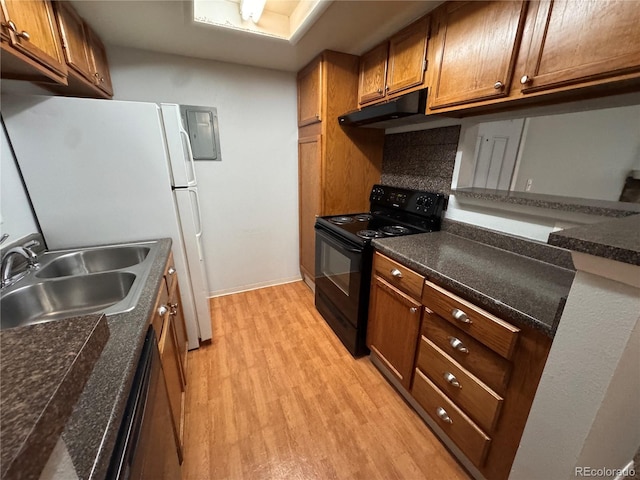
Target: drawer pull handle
396, 273
457, 344
452, 380
460, 316
442, 413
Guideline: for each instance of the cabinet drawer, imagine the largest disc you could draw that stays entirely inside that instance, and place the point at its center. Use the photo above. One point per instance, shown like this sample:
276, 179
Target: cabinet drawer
399, 276
484, 363
468, 392
498, 335
473, 442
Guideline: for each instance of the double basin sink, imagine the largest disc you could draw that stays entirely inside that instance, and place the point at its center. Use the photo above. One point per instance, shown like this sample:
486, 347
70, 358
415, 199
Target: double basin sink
78, 282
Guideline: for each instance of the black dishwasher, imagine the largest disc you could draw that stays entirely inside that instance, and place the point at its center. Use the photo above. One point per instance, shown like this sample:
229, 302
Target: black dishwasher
146, 446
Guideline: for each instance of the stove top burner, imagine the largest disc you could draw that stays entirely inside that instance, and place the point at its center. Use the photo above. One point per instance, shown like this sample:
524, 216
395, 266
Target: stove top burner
341, 220
393, 230
363, 217
369, 234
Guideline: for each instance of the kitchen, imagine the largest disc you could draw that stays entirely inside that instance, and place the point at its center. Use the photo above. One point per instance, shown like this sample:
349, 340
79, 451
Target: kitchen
236, 221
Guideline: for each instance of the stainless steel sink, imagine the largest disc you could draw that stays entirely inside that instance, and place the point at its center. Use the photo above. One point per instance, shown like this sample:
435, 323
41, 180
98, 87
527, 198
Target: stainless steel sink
94, 261
45, 301
76, 282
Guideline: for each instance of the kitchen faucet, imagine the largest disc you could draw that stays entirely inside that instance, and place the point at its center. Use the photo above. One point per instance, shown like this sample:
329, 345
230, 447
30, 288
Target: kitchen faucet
8, 260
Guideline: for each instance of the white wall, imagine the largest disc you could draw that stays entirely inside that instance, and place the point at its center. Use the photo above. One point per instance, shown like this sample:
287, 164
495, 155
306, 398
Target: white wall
250, 198
16, 217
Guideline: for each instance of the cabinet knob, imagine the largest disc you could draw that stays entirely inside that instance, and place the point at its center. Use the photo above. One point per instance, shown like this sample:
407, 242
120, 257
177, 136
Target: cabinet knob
317, 116
395, 273
379, 90
386, 88
442, 413
498, 85
11, 26
413, 309
171, 271
162, 310
457, 344
460, 316
451, 379
526, 79
24, 35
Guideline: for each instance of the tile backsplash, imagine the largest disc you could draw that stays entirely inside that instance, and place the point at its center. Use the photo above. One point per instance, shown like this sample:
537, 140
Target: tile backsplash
421, 160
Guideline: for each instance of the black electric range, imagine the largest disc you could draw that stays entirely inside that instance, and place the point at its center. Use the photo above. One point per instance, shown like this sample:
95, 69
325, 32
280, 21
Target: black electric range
344, 254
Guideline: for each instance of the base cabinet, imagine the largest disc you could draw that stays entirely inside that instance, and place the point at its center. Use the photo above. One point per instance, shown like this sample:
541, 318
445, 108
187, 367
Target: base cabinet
168, 323
473, 374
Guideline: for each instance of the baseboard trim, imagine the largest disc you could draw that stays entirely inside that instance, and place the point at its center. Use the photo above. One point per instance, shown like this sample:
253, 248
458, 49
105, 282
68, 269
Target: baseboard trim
253, 286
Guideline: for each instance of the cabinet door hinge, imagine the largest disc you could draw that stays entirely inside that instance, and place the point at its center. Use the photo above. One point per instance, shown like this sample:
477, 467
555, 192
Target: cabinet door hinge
424, 65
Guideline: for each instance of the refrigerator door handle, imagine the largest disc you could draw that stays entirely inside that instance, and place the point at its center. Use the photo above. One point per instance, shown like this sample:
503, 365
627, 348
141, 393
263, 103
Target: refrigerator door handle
195, 202
191, 166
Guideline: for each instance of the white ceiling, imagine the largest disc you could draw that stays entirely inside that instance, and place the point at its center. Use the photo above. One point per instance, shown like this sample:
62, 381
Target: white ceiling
167, 26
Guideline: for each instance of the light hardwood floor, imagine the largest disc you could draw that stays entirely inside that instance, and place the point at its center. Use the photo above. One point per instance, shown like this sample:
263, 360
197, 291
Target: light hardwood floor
277, 396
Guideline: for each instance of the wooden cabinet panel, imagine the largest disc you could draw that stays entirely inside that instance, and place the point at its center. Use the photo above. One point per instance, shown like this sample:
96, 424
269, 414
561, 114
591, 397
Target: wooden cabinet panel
476, 399
453, 421
4, 29
182, 341
161, 310
495, 333
309, 177
310, 94
173, 378
100, 64
581, 41
407, 57
392, 331
36, 33
398, 275
373, 74
476, 50
74, 40
484, 363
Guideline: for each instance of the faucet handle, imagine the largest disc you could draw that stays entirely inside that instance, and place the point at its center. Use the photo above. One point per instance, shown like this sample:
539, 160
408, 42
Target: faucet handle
3, 237
31, 244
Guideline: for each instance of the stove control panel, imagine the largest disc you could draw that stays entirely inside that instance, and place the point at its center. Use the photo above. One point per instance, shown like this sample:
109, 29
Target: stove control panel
412, 201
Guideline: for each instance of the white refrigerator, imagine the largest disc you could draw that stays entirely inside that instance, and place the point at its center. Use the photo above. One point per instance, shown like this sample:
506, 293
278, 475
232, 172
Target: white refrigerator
105, 171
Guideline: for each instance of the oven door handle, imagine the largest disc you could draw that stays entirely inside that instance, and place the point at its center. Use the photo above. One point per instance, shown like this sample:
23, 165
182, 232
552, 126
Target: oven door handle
334, 242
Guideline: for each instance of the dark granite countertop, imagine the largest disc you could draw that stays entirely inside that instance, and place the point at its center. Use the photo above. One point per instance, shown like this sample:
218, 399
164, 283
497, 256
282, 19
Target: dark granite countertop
569, 204
517, 288
89, 432
44, 369
617, 239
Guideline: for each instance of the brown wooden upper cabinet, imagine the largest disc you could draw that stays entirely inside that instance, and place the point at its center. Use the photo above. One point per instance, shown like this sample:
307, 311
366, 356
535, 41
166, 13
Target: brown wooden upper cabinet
476, 44
577, 42
310, 94
98, 57
31, 39
74, 40
396, 66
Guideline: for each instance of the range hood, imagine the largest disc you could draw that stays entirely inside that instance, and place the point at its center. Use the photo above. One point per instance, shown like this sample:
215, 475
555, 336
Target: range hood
383, 115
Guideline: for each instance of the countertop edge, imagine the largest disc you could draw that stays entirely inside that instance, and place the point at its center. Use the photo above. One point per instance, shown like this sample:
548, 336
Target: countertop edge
494, 306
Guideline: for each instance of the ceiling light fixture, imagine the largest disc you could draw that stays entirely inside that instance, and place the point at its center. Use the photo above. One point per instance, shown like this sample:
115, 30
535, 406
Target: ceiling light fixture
251, 9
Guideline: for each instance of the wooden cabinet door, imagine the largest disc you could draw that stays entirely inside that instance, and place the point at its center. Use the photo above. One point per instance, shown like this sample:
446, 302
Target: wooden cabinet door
310, 94
173, 378
4, 29
182, 341
392, 332
36, 32
373, 74
581, 41
407, 57
74, 40
98, 56
476, 51
309, 180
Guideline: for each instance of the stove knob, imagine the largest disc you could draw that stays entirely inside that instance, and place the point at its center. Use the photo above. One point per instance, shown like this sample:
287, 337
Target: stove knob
420, 200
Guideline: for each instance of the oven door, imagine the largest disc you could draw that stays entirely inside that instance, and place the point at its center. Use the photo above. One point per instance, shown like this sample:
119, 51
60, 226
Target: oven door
339, 273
